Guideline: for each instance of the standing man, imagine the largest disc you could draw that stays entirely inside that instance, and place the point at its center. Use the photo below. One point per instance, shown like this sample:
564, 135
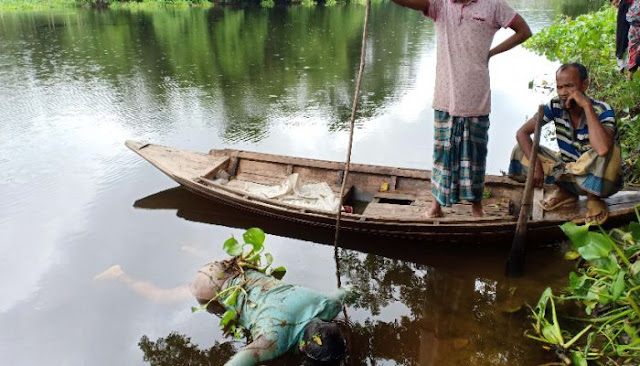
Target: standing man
633, 17
462, 98
622, 33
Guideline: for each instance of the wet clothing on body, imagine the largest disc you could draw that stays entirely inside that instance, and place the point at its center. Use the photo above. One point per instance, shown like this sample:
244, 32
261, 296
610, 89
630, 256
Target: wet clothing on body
273, 312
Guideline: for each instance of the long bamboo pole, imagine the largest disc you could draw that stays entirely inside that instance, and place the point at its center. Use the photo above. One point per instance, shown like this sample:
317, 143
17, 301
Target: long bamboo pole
354, 109
515, 263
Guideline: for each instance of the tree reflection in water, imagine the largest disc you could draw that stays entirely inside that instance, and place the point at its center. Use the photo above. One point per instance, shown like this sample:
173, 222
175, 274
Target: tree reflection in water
177, 349
452, 320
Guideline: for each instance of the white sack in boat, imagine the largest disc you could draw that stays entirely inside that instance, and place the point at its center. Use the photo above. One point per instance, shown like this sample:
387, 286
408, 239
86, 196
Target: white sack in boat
317, 196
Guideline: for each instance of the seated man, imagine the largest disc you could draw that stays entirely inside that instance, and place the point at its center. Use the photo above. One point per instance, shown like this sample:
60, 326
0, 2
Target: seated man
277, 316
589, 161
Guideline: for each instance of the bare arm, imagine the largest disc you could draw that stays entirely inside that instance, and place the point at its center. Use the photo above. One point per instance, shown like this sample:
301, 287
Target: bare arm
254, 353
522, 33
523, 136
600, 137
421, 5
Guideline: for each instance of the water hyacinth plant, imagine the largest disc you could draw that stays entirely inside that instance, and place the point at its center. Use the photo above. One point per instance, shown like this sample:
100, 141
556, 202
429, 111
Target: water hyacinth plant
606, 289
247, 255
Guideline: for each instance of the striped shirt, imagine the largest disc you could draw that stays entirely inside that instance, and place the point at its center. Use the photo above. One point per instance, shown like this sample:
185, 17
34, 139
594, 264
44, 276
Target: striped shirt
574, 142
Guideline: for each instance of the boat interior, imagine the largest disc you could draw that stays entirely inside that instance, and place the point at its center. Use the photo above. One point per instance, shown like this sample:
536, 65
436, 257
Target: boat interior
371, 191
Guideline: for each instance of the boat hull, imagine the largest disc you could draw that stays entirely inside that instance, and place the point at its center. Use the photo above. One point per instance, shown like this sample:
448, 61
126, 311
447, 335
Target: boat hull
197, 173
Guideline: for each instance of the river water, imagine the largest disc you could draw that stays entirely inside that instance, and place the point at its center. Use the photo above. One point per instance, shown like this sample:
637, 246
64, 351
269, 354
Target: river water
75, 84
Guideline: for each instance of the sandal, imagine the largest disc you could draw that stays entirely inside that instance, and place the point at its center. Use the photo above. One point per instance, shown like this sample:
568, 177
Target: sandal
597, 212
556, 199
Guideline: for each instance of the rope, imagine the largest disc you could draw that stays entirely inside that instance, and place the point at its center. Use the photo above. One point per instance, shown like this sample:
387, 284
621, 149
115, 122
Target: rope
347, 164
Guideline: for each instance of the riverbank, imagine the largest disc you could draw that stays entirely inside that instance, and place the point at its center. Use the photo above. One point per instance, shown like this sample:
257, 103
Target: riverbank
33, 5
597, 309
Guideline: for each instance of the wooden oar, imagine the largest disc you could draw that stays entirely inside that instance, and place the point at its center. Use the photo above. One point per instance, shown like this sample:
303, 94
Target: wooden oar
515, 263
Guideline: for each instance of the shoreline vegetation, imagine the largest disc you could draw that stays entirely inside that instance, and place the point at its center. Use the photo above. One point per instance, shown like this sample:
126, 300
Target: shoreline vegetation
33, 5
594, 319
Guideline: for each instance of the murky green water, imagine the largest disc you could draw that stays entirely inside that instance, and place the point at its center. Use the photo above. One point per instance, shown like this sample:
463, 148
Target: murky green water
75, 84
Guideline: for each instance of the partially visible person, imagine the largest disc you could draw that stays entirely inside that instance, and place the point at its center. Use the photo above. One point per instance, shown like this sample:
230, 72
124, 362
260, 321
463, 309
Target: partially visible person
277, 316
589, 161
633, 17
622, 34
462, 97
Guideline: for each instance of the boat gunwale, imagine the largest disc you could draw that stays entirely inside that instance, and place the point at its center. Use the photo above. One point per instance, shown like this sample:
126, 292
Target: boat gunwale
353, 222
353, 167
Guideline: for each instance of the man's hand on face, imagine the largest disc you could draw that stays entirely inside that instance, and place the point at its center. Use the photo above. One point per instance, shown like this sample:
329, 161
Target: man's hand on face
578, 97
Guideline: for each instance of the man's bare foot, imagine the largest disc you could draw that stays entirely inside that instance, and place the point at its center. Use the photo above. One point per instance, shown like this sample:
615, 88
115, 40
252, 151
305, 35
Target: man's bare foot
476, 209
434, 211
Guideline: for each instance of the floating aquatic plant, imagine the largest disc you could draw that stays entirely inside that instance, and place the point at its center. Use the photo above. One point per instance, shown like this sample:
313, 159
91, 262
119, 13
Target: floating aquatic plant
247, 255
606, 289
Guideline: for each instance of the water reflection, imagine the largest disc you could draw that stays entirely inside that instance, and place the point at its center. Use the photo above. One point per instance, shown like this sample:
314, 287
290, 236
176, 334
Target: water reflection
75, 84
456, 321
446, 308
177, 349
250, 65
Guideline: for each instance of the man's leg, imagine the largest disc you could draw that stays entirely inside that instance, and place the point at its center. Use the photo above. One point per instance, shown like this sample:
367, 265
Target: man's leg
473, 161
145, 289
552, 165
598, 177
441, 173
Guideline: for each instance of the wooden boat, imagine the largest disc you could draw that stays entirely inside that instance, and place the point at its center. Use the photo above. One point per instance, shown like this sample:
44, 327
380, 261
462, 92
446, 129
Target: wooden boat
386, 201
479, 261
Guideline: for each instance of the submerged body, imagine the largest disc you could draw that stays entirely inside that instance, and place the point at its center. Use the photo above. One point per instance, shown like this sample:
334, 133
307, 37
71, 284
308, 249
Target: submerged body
275, 314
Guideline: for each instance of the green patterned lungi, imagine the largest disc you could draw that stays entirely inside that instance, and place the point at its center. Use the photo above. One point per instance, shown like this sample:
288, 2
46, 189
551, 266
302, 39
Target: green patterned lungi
591, 173
459, 158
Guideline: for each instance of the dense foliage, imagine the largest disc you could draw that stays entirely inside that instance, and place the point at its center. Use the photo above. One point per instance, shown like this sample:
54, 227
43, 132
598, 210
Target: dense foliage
590, 40
34, 4
606, 290
102, 4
